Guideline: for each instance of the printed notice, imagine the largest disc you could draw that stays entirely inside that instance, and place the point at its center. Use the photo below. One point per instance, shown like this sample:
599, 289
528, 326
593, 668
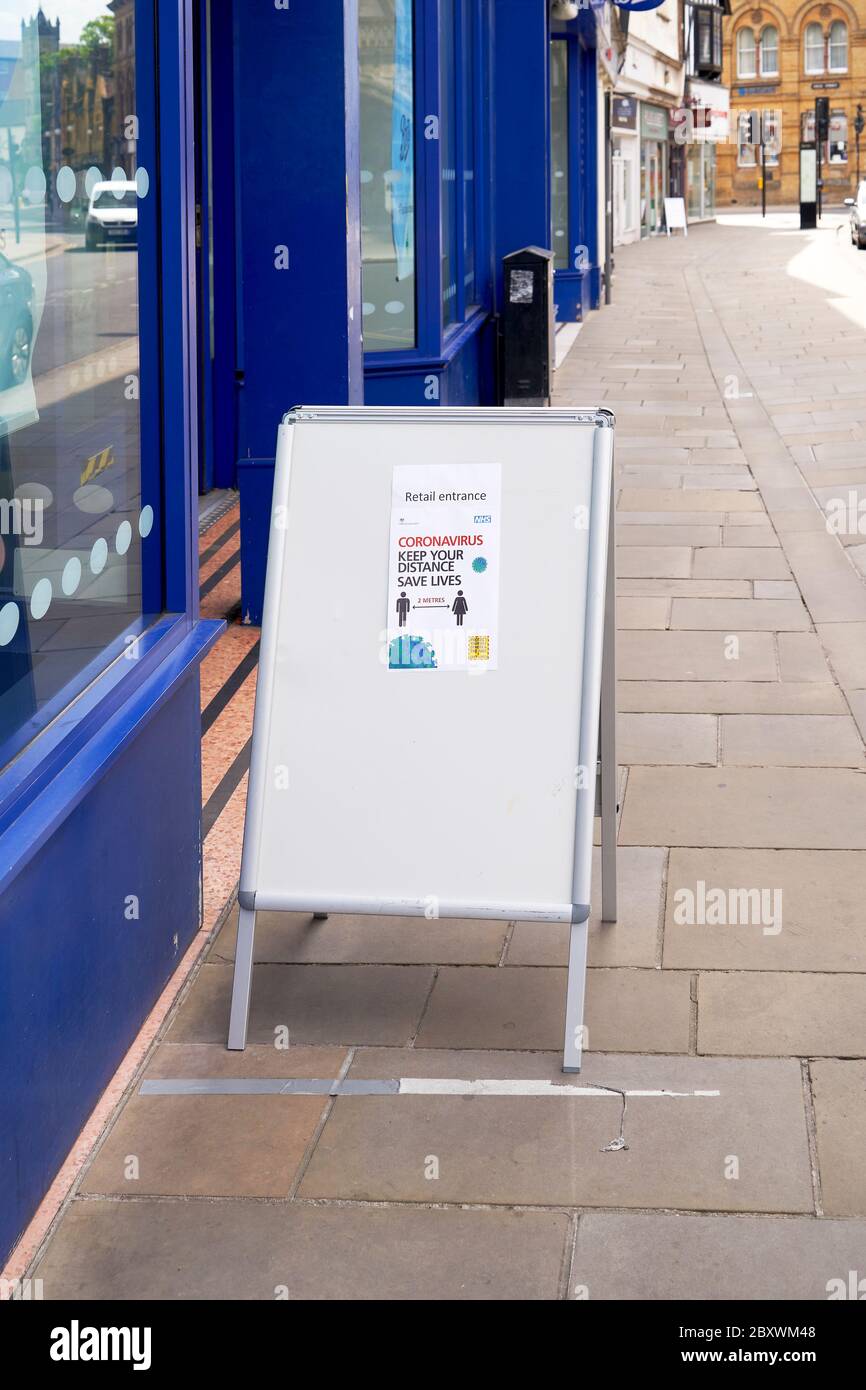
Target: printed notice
443, 567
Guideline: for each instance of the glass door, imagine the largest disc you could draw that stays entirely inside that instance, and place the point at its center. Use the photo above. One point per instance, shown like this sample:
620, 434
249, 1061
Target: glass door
219, 364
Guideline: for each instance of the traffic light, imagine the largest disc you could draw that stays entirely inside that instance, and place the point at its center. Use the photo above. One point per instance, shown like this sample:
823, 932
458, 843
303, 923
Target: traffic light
822, 118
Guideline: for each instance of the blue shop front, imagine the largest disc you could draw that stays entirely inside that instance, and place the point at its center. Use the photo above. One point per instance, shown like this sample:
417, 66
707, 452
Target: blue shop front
100, 640
363, 169
211, 211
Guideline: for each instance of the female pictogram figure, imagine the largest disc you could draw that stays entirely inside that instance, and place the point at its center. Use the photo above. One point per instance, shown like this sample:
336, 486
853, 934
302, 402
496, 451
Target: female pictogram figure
460, 607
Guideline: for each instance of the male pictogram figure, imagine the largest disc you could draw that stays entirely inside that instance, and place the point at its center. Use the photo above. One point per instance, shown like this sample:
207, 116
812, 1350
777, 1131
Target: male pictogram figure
403, 606
460, 607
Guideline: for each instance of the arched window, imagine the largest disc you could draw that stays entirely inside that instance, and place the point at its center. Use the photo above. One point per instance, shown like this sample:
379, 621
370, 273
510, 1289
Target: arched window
814, 48
746, 54
838, 46
770, 52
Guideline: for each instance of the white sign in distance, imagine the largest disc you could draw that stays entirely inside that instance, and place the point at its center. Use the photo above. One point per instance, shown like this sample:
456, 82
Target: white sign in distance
675, 215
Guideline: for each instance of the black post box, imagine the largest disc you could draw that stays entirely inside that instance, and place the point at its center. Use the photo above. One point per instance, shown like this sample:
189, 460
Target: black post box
528, 327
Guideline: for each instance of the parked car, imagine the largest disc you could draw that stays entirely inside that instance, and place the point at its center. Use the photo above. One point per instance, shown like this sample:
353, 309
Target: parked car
112, 214
16, 323
858, 216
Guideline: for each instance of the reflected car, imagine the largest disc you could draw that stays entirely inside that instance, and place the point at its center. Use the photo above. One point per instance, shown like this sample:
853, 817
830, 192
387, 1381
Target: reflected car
112, 214
858, 216
16, 323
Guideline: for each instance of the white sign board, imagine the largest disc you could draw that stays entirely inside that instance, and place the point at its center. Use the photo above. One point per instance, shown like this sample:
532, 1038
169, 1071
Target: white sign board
435, 760
675, 215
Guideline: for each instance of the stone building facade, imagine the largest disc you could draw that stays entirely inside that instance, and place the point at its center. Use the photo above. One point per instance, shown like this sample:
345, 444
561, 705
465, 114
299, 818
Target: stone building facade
778, 58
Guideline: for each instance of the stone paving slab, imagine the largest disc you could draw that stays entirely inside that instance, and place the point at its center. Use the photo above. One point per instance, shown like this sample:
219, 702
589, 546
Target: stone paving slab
704, 536
729, 697
739, 615
625, 520
655, 1256
776, 588
694, 656
746, 1013
673, 500
821, 905
185, 1251
738, 536
523, 1007
206, 1146
668, 738
839, 1094
195, 1061
845, 645
830, 585
682, 588
774, 808
634, 938
654, 562
790, 740
642, 612
801, 657
543, 1150
355, 940
317, 1003
741, 562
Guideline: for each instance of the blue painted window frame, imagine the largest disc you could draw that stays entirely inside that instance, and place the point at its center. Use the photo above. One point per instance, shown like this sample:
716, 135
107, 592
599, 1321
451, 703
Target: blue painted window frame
435, 345
169, 453
582, 150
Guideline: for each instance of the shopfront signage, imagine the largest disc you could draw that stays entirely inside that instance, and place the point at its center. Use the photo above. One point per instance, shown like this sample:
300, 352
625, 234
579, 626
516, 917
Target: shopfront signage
624, 113
653, 122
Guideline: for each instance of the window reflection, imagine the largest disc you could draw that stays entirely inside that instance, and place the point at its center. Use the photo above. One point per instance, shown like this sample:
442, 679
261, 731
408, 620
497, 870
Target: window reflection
74, 526
559, 152
387, 174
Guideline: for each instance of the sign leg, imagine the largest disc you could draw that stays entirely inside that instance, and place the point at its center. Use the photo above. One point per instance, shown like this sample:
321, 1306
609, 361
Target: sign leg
243, 979
607, 737
574, 1033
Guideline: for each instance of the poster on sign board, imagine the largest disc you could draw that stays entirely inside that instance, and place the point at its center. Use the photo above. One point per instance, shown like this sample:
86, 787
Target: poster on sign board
443, 567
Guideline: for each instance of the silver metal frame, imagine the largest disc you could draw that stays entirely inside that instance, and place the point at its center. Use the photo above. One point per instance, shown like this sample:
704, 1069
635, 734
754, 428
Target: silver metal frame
597, 739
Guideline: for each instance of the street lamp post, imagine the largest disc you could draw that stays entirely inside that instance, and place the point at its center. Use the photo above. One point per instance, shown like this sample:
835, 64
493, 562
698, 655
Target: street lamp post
859, 122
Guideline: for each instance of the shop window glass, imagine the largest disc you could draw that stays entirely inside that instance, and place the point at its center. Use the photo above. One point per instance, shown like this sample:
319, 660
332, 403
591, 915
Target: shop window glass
746, 54
772, 129
709, 178
807, 125
814, 48
387, 173
707, 38
694, 156
838, 46
459, 141
770, 52
80, 568
448, 157
837, 144
470, 132
559, 152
